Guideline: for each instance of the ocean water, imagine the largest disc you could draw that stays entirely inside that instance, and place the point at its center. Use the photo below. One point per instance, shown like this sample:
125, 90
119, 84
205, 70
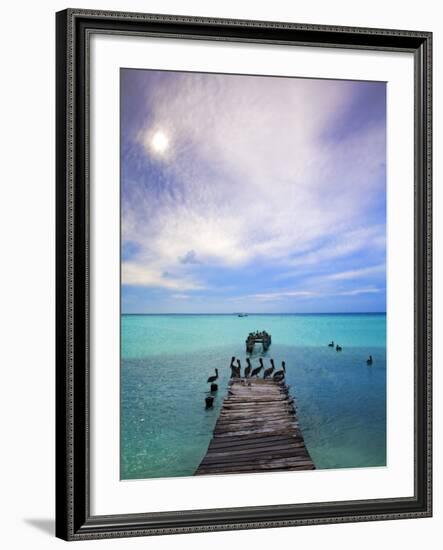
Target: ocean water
166, 360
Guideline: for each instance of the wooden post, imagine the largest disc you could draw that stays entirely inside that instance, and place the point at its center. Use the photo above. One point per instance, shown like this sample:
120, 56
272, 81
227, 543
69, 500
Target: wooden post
214, 388
209, 402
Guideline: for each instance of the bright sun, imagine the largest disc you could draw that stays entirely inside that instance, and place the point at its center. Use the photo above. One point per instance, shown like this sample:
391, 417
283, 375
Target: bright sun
160, 142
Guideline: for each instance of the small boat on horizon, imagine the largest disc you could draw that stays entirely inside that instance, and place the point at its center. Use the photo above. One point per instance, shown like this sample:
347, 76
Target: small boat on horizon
242, 315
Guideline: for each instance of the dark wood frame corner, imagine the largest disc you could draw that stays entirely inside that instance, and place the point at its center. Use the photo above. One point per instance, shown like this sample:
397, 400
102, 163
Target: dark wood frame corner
73, 518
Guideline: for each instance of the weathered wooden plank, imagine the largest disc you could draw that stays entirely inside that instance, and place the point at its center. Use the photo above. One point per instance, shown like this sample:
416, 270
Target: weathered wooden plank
245, 438
255, 444
255, 409
262, 451
242, 425
275, 465
262, 457
255, 441
252, 462
263, 464
260, 421
259, 413
257, 430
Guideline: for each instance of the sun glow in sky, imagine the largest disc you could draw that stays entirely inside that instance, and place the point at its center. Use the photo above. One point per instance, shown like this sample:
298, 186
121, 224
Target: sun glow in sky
272, 198
159, 142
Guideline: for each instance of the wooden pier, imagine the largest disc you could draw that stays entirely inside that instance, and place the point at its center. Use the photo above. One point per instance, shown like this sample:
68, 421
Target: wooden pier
257, 431
258, 338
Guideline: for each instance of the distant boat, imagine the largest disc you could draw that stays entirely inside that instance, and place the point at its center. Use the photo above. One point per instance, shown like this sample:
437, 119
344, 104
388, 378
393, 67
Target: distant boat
242, 315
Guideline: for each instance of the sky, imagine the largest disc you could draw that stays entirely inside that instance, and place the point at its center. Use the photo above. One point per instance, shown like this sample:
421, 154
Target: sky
254, 194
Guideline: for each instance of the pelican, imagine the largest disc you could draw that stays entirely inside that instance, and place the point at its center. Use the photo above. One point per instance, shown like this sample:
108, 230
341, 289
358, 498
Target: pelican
233, 368
280, 374
269, 371
248, 368
338, 348
257, 370
238, 369
213, 378
369, 360
331, 345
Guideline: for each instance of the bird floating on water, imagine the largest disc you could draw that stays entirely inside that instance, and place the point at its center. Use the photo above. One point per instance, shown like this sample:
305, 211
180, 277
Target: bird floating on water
331, 345
369, 361
338, 348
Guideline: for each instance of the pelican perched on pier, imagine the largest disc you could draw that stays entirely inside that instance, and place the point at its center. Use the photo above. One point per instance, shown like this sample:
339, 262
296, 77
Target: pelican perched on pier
248, 368
279, 376
369, 361
237, 369
233, 368
258, 370
269, 371
213, 378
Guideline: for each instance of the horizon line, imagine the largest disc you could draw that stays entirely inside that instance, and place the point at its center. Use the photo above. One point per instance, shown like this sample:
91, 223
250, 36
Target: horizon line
263, 313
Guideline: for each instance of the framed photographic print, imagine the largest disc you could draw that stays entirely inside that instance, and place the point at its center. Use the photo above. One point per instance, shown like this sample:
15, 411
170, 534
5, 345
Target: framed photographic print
243, 274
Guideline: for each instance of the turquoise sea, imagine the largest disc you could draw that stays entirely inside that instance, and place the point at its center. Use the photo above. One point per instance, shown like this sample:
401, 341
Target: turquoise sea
166, 360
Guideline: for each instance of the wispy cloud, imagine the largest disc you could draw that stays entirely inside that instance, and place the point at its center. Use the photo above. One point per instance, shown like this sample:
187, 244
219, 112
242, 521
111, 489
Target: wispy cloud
358, 291
281, 295
271, 296
356, 273
336, 245
141, 275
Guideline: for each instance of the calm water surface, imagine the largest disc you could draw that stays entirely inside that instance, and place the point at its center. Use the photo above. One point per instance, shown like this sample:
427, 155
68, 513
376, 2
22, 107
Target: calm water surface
166, 359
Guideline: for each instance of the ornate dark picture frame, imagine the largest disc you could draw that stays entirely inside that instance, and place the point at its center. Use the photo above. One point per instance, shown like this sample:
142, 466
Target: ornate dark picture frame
73, 517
